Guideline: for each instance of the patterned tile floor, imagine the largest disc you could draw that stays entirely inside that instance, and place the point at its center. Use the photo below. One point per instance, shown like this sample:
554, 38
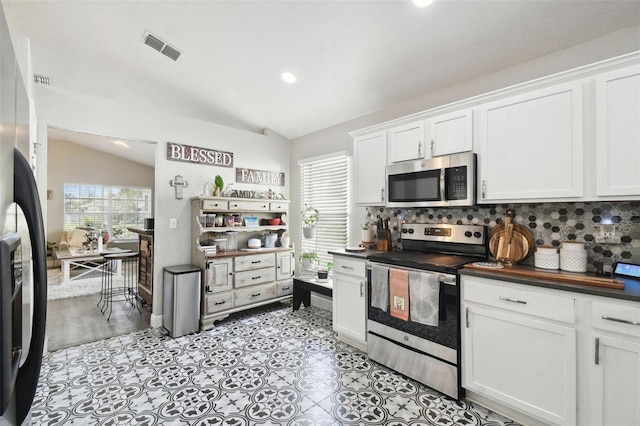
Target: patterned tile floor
267, 366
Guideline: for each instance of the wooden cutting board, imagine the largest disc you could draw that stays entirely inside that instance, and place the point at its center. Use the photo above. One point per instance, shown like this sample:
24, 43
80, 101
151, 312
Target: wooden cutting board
511, 242
561, 276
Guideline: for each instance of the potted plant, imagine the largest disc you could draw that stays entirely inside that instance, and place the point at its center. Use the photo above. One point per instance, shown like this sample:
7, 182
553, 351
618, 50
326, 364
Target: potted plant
218, 184
309, 260
309, 218
367, 233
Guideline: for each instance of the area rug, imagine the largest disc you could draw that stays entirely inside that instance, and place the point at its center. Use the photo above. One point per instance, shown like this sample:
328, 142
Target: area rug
56, 289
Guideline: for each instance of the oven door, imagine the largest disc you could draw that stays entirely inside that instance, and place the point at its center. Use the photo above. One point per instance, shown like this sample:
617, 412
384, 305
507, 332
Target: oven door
445, 334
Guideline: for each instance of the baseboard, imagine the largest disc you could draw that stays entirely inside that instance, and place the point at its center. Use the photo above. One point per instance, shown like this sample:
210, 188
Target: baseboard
322, 302
156, 321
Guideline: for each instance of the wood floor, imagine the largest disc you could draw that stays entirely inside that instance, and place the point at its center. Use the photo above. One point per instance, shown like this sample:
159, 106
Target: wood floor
77, 320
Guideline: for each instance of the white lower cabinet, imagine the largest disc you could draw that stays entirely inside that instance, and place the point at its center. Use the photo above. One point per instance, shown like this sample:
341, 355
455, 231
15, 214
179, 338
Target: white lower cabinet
517, 355
350, 301
615, 364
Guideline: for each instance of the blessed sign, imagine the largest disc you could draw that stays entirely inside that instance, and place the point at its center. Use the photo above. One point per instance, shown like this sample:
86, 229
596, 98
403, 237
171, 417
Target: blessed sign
260, 177
194, 154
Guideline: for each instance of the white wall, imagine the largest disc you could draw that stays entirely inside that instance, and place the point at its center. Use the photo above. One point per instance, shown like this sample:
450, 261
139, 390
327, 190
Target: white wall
95, 115
336, 138
72, 163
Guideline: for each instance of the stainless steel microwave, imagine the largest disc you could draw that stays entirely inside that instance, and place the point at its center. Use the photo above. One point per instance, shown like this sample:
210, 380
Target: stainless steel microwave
444, 181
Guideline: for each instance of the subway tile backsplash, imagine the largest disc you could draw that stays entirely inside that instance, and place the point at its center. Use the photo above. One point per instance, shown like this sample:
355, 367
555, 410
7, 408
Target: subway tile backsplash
550, 223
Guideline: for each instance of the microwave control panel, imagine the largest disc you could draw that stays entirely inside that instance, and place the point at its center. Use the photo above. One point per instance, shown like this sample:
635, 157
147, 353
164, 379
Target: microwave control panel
456, 181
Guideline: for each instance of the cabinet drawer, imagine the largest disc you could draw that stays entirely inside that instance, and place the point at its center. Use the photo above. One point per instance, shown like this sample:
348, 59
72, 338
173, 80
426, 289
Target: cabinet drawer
278, 207
284, 287
254, 294
255, 261
620, 317
218, 302
342, 265
517, 298
214, 205
252, 206
254, 276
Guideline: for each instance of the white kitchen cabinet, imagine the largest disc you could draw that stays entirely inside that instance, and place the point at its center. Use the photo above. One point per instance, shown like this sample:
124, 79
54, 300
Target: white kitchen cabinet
519, 348
531, 146
350, 301
218, 276
617, 122
371, 159
285, 266
450, 133
615, 363
407, 142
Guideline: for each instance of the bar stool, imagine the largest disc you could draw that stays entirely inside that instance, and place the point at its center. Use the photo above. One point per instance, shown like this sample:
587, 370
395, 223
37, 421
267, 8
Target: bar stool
123, 265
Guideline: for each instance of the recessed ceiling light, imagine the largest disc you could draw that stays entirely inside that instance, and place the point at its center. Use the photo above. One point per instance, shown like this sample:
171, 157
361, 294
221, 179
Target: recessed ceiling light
422, 3
289, 77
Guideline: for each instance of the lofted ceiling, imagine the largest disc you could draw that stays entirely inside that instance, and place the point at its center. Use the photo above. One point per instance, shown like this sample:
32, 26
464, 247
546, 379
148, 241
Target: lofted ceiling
351, 58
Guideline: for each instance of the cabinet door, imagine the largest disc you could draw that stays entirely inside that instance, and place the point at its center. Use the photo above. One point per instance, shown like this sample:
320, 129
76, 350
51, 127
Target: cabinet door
618, 132
349, 307
531, 146
450, 133
371, 160
218, 276
522, 362
249, 206
407, 142
615, 381
284, 265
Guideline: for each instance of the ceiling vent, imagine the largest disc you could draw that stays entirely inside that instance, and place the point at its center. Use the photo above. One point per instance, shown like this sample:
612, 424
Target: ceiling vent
41, 79
161, 46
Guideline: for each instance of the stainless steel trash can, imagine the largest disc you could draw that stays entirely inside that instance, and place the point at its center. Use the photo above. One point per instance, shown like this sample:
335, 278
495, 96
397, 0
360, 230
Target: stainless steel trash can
181, 299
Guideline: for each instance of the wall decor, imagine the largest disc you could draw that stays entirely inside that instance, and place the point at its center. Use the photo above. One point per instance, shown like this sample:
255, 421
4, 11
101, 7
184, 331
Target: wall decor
260, 177
197, 155
178, 183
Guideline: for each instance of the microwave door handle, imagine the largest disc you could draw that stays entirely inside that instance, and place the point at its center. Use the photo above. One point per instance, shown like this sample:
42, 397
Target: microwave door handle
443, 196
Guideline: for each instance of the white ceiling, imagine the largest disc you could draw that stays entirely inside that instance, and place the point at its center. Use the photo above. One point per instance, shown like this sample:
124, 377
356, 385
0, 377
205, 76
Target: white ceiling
352, 58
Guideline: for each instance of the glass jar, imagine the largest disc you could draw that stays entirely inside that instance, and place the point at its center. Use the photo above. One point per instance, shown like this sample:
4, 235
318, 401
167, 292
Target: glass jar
232, 240
228, 221
219, 220
237, 220
210, 220
221, 245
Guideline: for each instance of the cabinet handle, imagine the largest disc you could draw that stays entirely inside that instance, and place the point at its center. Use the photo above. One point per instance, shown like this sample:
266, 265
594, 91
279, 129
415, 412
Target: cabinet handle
256, 261
381, 194
466, 316
208, 289
597, 358
419, 148
256, 278
506, 299
220, 303
484, 188
346, 267
285, 288
624, 321
361, 289
256, 294
432, 144
264, 207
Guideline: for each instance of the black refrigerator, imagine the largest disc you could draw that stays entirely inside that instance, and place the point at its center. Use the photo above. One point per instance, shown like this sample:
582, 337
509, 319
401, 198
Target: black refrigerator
23, 271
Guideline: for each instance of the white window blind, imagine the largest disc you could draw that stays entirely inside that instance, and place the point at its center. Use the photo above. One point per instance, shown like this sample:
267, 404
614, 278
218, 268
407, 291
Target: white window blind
105, 207
325, 186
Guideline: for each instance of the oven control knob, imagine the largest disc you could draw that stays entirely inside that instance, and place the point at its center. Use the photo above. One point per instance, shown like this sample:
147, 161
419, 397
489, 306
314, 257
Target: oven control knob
477, 234
411, 230
468, 234
404, 230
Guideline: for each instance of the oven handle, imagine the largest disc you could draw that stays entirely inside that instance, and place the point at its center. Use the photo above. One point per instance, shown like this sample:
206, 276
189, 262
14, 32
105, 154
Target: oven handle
443, 278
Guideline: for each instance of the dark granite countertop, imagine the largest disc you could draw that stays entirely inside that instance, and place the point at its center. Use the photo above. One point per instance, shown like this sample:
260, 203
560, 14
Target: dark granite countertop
363, 255
631, 289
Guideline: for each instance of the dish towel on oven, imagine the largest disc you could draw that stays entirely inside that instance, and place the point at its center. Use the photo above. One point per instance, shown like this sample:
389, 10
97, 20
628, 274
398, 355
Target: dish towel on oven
424, 294
399, 293
380, 287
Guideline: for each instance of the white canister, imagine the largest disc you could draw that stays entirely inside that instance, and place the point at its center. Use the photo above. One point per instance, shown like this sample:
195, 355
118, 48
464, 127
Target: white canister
546, 257
285, 241
573, 257
573, 246
270, 240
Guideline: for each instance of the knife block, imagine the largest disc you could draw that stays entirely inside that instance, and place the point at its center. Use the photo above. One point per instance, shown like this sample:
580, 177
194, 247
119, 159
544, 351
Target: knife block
384, 243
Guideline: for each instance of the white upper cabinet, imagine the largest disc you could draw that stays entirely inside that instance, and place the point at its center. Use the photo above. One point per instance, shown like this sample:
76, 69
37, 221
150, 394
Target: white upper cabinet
371, 159
531, 146
407, 142
617, 121
450, 133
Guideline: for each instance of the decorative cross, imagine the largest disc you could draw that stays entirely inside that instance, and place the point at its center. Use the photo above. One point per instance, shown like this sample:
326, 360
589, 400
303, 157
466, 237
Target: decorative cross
178, 183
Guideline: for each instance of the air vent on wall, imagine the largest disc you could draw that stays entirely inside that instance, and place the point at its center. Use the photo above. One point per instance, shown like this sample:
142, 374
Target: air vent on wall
40, 79
160, 46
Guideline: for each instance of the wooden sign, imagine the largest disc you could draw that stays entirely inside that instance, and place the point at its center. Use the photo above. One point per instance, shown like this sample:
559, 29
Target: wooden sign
259, 177
194, 154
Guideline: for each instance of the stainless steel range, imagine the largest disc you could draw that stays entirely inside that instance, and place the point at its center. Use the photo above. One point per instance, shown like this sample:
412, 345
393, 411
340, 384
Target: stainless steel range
426, 353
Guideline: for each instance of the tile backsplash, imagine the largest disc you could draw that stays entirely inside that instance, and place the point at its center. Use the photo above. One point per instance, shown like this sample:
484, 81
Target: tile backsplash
550, 223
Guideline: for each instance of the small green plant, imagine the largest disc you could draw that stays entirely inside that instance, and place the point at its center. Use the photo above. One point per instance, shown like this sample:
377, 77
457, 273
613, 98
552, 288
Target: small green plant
365, 226
218, 184
309, 255
308, 216
309, 259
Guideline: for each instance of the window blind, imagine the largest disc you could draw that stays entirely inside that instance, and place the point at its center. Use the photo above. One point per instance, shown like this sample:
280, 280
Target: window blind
105, 207
325, 186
